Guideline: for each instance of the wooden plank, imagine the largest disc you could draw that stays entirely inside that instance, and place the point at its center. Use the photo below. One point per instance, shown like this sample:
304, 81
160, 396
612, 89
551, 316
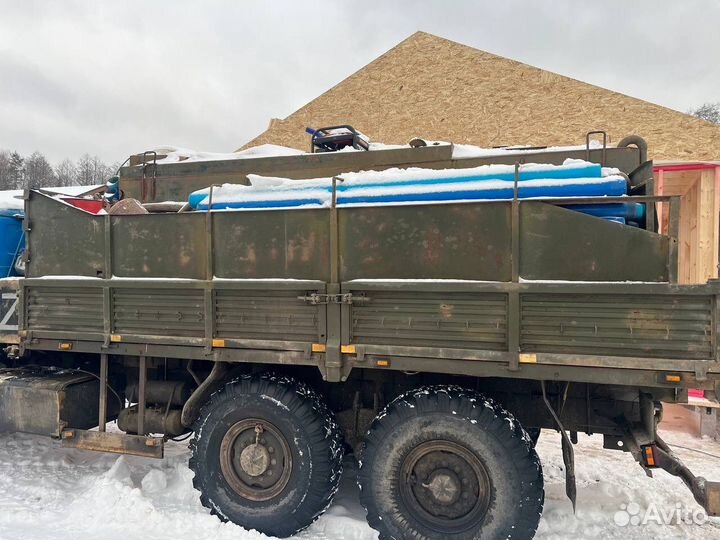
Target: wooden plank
692, 211
716, 226
660, 190
703, 402
678, 183
684, 240
706, 230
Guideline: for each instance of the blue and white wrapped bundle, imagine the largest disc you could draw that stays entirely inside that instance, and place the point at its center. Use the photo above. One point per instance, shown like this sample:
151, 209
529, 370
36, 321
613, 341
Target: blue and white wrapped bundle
575, 178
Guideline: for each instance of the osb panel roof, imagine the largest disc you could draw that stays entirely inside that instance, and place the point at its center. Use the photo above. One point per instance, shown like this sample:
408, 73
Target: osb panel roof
437, 89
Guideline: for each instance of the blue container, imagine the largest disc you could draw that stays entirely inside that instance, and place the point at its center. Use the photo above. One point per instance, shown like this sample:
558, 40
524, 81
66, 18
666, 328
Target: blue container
630, 211
12, 241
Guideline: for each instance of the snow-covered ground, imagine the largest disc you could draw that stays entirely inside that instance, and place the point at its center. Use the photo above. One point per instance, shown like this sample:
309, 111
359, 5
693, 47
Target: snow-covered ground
48, 492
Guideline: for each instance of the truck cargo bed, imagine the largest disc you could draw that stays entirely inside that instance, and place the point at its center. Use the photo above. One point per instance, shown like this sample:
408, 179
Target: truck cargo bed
514, 288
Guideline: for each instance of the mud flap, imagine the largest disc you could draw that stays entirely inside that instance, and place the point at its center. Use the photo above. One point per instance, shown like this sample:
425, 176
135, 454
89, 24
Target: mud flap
569, 461
712, 498
567, 451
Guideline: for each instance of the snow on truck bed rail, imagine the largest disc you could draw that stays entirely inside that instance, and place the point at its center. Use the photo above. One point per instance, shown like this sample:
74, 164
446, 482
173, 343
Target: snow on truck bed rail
174, 154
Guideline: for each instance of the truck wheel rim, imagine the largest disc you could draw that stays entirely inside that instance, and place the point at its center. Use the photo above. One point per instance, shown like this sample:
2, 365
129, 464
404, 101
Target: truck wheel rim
255, 459
445, 486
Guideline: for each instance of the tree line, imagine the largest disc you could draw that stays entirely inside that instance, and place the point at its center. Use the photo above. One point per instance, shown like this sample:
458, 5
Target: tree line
35, 171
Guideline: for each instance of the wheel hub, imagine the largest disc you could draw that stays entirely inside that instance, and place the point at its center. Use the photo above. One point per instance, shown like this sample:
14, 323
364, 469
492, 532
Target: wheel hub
446, 486
255, 459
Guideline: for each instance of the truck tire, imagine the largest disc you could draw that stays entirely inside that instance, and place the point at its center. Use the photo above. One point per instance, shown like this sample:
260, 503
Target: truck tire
267, 454
534, 434
444, 462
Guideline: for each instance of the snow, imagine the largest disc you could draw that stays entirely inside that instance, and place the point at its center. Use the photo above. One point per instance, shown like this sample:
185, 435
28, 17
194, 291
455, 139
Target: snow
417, 280
565, 281
271, 280
469, 151
267, 192
483, 185
52, 493
175, 154
606, 480
277, 403
412, 174
165, 280
12, 200
72, 191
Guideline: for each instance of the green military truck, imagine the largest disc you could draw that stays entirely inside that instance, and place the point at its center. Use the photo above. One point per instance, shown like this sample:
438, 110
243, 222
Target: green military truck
434, 341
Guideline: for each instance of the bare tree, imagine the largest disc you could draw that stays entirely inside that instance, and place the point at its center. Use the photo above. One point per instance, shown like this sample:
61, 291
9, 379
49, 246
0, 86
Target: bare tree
16, 174
66, 173
38, 172
34, 171
708, 111
91, 170
5, 182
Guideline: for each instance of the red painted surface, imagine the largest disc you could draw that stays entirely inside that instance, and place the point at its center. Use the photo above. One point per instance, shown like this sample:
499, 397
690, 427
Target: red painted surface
89, 205
680, 167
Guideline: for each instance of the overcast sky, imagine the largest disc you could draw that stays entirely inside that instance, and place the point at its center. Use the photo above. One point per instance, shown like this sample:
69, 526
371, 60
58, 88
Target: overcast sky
116, 77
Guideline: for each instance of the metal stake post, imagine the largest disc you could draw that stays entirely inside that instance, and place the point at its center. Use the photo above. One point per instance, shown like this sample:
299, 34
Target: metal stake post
102, 414
142, 379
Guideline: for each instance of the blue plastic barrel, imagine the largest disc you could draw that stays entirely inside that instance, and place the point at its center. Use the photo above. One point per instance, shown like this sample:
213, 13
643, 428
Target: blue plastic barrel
12, 241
